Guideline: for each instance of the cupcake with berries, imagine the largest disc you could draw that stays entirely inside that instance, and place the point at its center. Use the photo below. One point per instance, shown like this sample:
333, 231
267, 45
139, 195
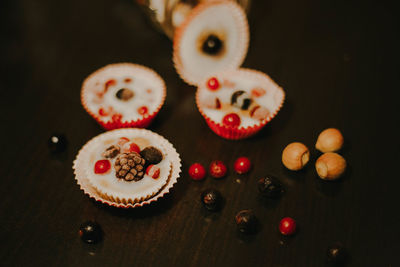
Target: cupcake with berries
127, 167
123, 95
213, 37
239, 103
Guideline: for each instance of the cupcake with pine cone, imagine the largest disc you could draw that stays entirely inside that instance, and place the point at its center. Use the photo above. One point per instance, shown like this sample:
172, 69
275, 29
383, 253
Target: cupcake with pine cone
127, 167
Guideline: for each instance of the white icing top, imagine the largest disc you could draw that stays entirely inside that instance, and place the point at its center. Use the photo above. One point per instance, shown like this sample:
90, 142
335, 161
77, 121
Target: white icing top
100, 88
228, 21
109, 184
262, 89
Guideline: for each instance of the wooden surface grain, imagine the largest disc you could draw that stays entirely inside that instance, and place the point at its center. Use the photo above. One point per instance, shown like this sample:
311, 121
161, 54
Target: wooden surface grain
338, 64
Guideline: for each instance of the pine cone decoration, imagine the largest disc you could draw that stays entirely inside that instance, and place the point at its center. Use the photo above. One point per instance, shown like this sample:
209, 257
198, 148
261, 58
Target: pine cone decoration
130, 166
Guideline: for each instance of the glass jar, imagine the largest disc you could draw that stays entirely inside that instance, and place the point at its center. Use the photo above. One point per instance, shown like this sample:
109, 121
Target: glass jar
167, 15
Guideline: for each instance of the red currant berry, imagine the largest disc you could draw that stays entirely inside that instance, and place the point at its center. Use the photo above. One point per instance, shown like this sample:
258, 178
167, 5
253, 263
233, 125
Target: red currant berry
242, 165
116, 117
122, 141
102, 166
217, 169
131, 147
231, 120
197, 171
213, 83
153, 171
109, 83
143, 110
102, 112
287, 226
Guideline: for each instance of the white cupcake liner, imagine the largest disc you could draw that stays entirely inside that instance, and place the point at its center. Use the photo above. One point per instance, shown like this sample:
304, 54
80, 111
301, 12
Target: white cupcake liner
108, 123
191, 76
90, 190
236, 133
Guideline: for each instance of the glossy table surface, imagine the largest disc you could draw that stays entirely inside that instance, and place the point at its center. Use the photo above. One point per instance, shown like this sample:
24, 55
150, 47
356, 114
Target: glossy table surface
338, 64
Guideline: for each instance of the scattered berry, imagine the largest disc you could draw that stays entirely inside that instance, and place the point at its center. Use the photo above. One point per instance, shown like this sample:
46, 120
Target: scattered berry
336, 253
153, 171
217, 169
103, 112
90, 232
231, 120
197, 171
143, 110
211, 199
57, 143
213, 83
269, 187
116, 117
102, 166
130, 147
287, 226
152, 155
246, 221
109, 83
122, 141
212, 45
257, 92
242, 165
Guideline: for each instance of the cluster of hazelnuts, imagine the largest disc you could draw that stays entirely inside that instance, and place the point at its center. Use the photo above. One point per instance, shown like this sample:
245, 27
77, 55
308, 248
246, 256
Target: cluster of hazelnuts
329, 166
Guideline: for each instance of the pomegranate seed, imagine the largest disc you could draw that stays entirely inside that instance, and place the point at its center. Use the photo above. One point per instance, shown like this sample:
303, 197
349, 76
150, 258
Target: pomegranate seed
287, 226
143, 110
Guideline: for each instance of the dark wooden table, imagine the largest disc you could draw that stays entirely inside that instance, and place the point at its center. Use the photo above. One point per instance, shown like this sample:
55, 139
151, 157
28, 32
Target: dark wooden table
336, 60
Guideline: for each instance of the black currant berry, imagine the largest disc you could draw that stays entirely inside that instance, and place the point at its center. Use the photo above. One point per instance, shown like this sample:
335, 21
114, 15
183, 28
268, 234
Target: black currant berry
90, 232
270, 187
246, 221
212, 45
211, 199
57, 143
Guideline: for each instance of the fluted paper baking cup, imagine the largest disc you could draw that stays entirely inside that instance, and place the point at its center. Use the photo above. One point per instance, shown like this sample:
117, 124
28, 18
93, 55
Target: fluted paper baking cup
225, 19
257, 78
99, 90
81, 174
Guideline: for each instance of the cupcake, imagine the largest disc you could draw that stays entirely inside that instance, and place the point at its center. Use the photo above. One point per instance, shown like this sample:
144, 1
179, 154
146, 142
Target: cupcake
127, 167
214, 37
123, 95
237, 104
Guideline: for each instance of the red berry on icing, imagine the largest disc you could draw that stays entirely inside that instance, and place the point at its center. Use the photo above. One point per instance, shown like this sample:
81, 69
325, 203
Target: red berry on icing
231, 120
153, 171
102, 112
128, 80
242, 165
287, 226
116, 117
109, 83
143, 110
217, 169
257, 92
197, 171
122, 141
213, 83
102, 166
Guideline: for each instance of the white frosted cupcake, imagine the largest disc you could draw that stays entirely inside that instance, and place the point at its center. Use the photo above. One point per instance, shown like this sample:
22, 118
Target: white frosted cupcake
237, 104
213, 37
127, 167
123, 95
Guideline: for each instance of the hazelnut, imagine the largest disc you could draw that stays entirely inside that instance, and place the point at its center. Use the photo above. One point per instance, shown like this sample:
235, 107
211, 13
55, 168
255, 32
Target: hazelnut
329, 140
330, 166
295, 156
